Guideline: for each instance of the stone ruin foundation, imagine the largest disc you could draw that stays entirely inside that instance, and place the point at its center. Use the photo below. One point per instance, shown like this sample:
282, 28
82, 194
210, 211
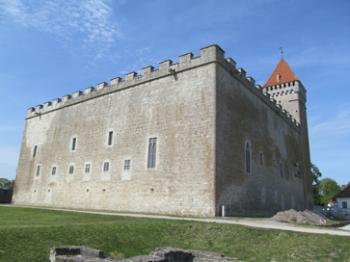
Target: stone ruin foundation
162, 254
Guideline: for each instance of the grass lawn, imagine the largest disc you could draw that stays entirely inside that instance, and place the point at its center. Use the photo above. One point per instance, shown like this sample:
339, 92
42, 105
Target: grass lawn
27, 235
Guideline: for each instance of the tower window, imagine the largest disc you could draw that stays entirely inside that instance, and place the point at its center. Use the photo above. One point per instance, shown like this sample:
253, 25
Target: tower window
53, 170
248, 156
38, 170
278, 77
110, 138
74, 144
71, 169
127, 164
106, 166
34, 151
152, 151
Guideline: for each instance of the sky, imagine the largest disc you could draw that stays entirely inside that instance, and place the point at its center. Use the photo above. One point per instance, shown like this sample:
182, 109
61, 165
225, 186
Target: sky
52, 48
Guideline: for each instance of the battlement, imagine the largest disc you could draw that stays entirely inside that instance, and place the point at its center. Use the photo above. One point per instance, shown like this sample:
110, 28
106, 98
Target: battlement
287, 88
187, 61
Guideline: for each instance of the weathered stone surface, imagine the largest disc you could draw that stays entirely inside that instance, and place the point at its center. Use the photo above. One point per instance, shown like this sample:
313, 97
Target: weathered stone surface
75, 253
202, 111
163, 254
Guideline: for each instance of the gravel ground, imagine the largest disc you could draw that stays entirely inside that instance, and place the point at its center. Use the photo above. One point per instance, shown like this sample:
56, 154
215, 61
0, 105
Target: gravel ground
346, 227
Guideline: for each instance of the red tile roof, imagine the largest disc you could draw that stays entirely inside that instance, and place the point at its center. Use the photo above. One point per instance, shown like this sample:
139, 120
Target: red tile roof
345, 192
282, 74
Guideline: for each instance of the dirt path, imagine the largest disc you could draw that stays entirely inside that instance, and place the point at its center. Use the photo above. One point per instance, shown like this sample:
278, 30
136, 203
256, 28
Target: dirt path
250, 222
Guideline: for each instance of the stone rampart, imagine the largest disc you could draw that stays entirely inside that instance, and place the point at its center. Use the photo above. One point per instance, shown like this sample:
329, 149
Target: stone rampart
210, 54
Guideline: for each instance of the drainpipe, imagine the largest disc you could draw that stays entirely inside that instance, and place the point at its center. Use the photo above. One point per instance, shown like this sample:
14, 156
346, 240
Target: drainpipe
223, 211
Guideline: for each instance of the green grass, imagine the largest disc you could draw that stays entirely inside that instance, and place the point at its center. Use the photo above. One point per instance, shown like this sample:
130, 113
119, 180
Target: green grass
27, 235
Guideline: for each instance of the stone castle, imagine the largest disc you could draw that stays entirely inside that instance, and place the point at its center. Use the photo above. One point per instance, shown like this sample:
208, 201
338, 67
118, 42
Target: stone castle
197, 137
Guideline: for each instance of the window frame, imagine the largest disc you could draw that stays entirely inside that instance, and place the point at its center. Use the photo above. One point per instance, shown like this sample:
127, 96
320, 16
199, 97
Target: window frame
85, 168
73, 143
69, 168
261, 158
104, 166
38, 170
344, 204
152, 151
247, 157
35, 151
110, 138
127, 165
54, 167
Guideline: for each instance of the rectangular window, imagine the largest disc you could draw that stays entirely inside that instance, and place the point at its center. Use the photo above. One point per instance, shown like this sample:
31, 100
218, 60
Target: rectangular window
110, 138
87, 168
152, 151
53, 171
344, 204
105, 166
74, 144
34, 151
38, 169
71, 169
127, 164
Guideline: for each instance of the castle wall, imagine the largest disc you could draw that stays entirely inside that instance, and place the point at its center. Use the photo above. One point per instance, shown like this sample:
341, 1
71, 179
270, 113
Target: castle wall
276, 181
203, 111
177, 108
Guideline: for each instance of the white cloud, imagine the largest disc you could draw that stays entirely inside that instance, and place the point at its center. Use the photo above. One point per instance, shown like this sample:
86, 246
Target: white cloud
330, 142
89, 19
336, 127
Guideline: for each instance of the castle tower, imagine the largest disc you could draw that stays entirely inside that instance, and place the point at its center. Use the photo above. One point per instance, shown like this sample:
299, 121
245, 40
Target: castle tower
285, 87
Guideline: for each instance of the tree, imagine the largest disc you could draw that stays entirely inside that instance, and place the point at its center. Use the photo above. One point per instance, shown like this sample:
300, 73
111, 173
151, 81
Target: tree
328, 188
316, 175
5, 183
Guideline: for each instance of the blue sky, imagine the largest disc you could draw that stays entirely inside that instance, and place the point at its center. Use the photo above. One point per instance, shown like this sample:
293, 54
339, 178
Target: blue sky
52, 48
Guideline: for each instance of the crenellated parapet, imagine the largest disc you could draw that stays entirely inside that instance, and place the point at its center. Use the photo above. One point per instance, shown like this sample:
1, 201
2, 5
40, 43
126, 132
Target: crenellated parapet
287, 88
262, 93
210, 54
166, 68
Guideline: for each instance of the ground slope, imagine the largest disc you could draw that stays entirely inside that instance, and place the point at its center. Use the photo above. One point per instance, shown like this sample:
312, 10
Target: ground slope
27, 234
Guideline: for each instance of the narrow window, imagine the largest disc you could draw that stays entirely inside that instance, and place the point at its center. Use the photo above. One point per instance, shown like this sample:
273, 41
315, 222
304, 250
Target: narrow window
34, 151
344, 204
127, 164
152, 150
71, 169
110, 138
87, 168
278, 78
281, 170
105, 166
53, 170
248, 156
38, 169
261, 158
74, 144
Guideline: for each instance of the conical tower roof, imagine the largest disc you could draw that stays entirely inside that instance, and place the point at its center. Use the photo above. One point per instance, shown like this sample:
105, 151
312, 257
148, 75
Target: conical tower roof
282, 74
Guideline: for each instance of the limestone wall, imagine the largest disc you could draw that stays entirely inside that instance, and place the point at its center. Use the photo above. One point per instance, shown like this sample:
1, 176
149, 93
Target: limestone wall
276, 181
176, 106
201, 109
